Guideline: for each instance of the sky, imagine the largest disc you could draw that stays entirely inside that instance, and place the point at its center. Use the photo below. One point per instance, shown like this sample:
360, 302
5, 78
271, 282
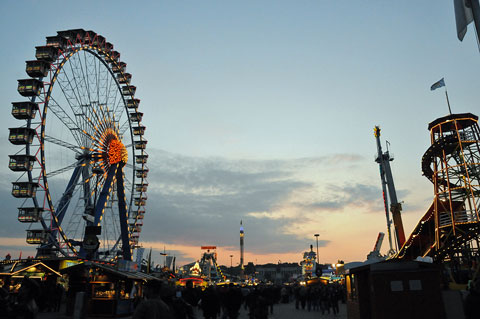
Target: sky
263, 112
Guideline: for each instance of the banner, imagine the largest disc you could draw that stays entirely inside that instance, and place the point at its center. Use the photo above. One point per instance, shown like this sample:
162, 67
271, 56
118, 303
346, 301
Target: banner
168, 261
140, 257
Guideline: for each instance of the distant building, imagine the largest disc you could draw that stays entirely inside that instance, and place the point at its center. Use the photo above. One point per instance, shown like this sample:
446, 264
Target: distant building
278, 273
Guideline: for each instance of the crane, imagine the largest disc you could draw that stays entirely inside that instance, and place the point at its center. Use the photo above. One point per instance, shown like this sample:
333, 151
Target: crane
388, 188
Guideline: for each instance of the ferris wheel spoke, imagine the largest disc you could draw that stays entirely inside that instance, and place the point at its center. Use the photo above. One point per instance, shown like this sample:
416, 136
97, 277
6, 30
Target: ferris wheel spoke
69, 90
96, 72
77, 108
124, 127
77, 88
100, 126
64, 118
88, 127
63, 170
111, 92
119, 110
128, 183
82, 89
84, 115
75, 148
85, 76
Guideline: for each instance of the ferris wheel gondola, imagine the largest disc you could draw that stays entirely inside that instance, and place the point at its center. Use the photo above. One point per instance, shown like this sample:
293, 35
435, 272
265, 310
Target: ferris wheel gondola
83, 156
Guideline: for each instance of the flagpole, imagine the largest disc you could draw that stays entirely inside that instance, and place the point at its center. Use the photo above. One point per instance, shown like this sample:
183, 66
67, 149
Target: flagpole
448, 102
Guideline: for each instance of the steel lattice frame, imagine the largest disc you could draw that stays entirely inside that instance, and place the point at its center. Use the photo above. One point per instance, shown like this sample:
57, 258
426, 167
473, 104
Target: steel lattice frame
456, 179
84, 174
451, 225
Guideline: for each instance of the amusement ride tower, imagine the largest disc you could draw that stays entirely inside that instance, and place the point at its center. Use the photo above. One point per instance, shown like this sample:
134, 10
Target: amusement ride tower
450, 228
388, 187
241, 249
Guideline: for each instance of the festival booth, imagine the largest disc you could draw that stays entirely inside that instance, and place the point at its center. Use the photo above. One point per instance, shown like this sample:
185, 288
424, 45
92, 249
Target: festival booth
12, 273
110, 290
394, 289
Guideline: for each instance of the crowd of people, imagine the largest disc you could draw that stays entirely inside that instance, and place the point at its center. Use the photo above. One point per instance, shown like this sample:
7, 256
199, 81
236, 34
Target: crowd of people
163, 301
32, 297
324, 298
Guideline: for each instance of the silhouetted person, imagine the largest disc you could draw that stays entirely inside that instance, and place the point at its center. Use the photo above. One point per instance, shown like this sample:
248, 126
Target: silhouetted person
190, 295
303, 296
233, 301
153, 307
26, 298
296, 293
210, 303
472, 301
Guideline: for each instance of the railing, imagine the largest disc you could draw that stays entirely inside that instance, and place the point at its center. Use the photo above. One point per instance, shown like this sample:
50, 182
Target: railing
461, 217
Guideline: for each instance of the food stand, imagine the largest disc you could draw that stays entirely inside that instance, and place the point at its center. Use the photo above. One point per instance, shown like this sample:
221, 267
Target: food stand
109, 291
13, 272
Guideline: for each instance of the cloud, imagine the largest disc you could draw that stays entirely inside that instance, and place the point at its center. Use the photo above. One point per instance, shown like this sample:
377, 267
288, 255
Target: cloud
196, 201
339, 197
200, 201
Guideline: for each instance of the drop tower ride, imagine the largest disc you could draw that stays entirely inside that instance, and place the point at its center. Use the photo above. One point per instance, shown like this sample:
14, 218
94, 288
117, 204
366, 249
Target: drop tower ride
242, 234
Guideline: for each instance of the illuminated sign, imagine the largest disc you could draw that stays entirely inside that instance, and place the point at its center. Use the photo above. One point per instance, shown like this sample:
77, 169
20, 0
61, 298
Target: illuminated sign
209, 247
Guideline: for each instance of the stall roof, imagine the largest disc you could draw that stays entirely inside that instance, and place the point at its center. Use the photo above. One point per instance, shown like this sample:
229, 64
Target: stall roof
392, 265
111, 270
18, 267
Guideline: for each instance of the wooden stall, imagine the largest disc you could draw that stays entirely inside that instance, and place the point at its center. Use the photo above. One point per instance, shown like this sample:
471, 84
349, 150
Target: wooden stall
108, 290
394, 289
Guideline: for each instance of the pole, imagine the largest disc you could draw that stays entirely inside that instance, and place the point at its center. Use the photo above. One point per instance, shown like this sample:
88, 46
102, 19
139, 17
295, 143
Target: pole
448, 101
318, 259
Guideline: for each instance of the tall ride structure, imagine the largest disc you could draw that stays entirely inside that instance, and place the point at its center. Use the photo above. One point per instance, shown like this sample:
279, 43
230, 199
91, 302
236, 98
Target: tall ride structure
450, 228
388, 187
242, 234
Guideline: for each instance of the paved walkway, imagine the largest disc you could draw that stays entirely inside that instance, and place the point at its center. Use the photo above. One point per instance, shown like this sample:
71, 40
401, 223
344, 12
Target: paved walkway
280, 311
288, 311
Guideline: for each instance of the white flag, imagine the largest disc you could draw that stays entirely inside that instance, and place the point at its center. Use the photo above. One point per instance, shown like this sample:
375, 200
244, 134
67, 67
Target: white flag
140, 251
168, 262
463, 16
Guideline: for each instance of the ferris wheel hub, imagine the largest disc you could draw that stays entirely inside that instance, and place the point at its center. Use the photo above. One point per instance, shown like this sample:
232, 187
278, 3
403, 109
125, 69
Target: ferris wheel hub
117, 152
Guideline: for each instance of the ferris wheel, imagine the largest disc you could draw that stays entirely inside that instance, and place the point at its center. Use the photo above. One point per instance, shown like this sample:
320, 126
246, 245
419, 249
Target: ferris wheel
82, 161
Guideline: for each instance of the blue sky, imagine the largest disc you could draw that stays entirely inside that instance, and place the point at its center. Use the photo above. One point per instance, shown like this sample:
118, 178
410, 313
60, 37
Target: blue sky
264, 111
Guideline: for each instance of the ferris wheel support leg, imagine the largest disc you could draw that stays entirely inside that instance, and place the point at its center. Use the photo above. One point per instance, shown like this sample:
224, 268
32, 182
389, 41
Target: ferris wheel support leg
67, 195
86, 187
100, 205
122, 210
63, 206
104, 194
